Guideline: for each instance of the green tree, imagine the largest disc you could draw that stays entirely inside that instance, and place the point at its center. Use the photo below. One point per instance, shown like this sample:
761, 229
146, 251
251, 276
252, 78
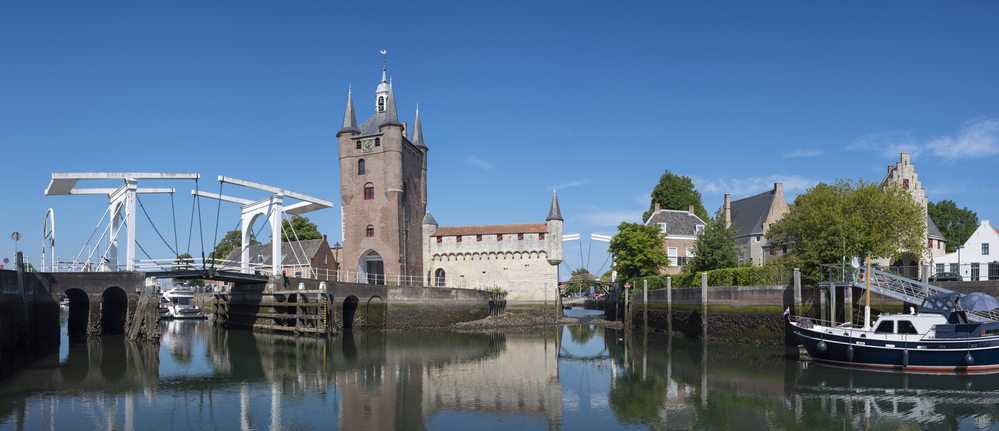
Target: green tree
676, 193
232, 240
955, 224
298, 228
852, 218
185, 261
714, 248
638, 250
580, 281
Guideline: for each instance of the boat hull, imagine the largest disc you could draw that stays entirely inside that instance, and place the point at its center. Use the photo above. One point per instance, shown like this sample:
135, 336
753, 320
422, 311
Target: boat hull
936, 356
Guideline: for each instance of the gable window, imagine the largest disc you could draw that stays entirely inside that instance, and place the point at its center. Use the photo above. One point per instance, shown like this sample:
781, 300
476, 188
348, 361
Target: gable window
985, 249
698, 229
370, 231
520, 237
930, 244
369, 192
905, 183
478, 238
499, 237
360, 167
771, 251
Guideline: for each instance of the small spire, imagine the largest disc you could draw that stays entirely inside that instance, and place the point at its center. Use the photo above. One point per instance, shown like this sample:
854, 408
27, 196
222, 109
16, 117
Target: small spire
383, 73
429, 219
349, 120
554, 213
418, 130
391, 117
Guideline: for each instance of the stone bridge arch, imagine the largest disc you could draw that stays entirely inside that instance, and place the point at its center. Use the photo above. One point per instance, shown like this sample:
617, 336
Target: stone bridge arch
114, 311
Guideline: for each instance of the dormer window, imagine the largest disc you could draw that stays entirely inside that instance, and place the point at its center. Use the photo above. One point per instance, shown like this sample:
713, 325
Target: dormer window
381, 103
698, 229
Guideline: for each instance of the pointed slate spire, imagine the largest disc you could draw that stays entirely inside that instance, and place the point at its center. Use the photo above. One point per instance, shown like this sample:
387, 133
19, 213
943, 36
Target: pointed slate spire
429, 219
349, 120
391, 117
554, 213
418, 130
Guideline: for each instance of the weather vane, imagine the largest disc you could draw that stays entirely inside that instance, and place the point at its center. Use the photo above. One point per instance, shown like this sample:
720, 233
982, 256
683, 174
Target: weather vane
383, 57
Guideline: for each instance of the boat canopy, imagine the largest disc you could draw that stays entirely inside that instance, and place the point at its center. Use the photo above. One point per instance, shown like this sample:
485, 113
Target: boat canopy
944, 304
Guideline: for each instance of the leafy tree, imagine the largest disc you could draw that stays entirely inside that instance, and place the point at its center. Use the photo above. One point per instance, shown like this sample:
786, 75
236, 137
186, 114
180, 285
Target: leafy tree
714, 248
184, 262
298, 228
232, 240
580, 281
853, 218
676, 193
955, 224
638, 250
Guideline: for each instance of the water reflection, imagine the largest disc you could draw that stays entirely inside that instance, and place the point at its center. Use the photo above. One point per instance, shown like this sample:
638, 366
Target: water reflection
573, 377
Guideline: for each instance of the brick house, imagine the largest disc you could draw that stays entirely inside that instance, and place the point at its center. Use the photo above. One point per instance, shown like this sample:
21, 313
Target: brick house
681, 229
753, 216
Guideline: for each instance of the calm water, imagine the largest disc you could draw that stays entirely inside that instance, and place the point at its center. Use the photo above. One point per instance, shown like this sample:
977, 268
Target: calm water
566, 378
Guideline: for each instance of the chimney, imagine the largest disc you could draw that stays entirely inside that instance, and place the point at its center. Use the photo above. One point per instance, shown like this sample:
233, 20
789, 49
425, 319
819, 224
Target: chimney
727, 209
656, 211
778, 189
324, 239
690, 209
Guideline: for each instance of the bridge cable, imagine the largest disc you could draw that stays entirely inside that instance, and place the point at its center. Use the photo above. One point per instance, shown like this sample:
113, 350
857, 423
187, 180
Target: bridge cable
200, 230
581, 253
173, 212
77, 259
589, 248
190, 228
175, 254
218, 211
605, 263
297, 260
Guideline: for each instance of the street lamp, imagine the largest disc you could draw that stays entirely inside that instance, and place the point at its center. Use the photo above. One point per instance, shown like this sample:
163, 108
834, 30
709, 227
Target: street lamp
959, 274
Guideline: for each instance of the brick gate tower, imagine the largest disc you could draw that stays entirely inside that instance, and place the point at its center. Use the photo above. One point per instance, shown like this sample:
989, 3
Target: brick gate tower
383, 192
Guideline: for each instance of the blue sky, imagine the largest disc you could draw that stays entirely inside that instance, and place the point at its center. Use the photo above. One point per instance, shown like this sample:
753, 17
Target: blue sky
515, 98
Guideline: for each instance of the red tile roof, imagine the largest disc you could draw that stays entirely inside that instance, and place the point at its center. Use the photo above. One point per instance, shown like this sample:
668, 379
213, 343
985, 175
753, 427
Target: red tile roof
491, 229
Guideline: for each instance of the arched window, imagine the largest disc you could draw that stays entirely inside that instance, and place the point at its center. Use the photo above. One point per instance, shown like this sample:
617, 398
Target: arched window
369, 191
441, 281
360, 167
370, 231
381, 103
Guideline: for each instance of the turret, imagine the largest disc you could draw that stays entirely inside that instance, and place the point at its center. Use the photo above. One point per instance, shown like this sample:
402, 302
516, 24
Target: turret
553, 243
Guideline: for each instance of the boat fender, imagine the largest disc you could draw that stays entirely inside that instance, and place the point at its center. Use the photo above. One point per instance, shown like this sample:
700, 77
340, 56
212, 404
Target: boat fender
905, 358
821, 346
849, 352
969, 360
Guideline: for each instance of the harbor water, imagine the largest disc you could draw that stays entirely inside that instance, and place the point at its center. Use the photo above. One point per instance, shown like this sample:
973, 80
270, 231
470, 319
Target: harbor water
576, 377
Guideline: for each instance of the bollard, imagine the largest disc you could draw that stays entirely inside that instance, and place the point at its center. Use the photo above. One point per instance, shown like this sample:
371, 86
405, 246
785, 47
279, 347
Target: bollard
797, 293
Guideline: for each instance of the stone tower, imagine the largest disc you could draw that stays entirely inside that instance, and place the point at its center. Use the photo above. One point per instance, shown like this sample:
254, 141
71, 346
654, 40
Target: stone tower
383, 192
553, 246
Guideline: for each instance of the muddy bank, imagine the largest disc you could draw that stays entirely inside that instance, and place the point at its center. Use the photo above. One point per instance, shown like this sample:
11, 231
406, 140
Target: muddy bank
530, 320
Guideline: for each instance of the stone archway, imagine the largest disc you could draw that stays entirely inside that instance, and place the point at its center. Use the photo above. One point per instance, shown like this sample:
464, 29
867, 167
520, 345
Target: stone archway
349, 311
373, 268
79, 313
439, 278
114, 311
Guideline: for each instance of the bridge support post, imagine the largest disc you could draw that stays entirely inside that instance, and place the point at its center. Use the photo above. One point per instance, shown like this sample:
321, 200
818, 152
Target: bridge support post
704, 305
797, 293
669, 305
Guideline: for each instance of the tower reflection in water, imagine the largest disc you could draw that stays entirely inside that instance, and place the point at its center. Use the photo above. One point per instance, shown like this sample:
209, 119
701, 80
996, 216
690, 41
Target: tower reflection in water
573, 377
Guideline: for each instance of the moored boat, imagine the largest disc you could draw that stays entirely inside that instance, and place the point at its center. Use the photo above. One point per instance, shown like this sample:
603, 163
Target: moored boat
179, 304
937, 339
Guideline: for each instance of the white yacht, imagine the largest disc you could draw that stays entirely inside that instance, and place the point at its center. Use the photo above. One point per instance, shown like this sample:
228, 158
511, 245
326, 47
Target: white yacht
179, 304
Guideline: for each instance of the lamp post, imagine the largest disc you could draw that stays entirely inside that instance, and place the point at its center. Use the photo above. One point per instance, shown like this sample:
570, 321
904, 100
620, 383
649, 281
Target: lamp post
959, 272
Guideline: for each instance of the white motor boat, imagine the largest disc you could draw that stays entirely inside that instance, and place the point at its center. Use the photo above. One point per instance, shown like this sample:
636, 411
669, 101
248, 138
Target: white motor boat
180, 304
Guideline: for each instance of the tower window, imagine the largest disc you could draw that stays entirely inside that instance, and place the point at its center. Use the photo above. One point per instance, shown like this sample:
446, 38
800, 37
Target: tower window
499, 237
520, 237
541, 237
370, 231
357, 145
457, 238
378, 142
369, 192
440, 239
381, 103
478, 238
360, 167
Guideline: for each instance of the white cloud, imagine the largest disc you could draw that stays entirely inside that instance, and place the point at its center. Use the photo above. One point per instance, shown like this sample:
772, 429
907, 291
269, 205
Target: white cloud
743, 187
611, 218
475, 161
980, 138
803, 153
570, 184
888, 144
